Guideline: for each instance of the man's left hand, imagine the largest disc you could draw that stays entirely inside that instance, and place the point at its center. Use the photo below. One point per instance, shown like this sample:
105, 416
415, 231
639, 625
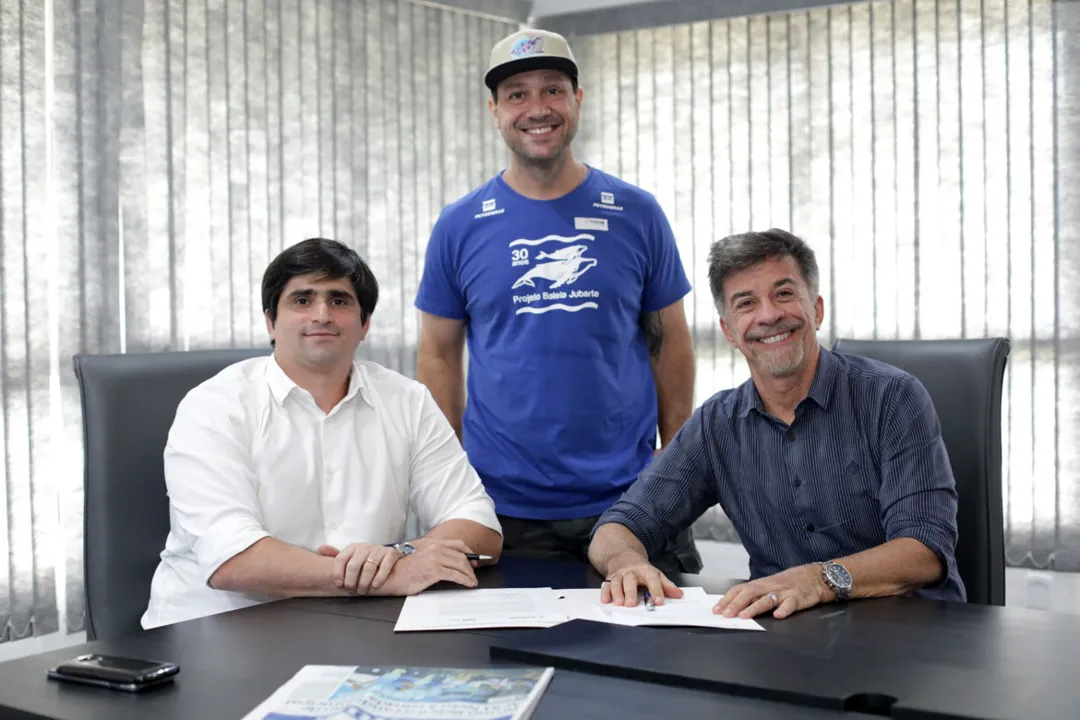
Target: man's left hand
798, 588
361, 567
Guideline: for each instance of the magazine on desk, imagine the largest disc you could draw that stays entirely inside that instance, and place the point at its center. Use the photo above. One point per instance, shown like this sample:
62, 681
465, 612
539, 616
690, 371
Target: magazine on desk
337, 692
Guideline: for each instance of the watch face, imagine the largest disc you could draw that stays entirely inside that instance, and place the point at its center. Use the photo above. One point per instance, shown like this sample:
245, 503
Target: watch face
838, 575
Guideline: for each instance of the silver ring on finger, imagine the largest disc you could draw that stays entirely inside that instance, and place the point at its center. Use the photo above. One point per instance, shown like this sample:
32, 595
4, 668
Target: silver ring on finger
772, 596
373, 562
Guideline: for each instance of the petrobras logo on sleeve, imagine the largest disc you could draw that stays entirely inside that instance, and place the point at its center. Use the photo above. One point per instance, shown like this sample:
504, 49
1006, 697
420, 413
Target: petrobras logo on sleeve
488, 208
607, 202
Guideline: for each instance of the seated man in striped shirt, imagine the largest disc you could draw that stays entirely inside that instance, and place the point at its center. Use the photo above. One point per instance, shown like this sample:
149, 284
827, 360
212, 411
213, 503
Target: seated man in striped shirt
830, 467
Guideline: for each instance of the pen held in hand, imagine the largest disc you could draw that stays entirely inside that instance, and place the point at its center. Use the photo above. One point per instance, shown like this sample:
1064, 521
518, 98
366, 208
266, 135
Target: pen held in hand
648, 602
478, 558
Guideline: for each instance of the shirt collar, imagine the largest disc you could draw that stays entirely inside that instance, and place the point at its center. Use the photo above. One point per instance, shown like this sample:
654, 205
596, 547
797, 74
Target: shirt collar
281, 384
749, 399
821, 389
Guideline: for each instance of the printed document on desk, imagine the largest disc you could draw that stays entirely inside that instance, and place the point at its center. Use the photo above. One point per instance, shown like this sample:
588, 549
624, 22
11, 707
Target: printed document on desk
474, 609
513, 608
688, 611
584, 603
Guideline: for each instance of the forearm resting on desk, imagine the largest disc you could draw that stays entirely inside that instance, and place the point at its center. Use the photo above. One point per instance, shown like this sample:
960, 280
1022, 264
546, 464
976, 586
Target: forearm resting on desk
614, 547
897, 567
624, 562
273, 567
481, 540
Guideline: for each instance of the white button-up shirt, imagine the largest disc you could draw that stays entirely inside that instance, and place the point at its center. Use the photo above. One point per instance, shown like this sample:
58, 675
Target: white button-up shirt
251, 455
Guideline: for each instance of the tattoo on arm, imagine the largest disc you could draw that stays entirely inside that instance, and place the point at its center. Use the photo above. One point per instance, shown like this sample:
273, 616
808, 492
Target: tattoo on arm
653, 327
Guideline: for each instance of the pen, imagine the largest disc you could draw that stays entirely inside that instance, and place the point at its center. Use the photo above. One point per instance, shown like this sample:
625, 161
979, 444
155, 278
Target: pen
648, 602
474, 556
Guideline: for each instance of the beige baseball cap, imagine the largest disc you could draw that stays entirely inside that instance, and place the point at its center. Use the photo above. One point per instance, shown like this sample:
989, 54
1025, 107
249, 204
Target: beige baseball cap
528, 50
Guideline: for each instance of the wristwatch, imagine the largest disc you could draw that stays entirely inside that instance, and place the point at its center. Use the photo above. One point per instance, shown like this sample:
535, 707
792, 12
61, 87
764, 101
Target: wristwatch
837, 578
404, 548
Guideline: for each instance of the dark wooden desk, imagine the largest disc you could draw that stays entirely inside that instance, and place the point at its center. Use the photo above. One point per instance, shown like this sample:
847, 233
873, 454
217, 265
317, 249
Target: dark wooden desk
946, 658
233, 661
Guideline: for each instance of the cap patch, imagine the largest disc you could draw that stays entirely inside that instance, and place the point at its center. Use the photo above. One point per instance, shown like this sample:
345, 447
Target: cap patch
527, 46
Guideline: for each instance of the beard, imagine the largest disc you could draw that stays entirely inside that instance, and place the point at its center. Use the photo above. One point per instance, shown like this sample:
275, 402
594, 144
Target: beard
781, 362
546, 158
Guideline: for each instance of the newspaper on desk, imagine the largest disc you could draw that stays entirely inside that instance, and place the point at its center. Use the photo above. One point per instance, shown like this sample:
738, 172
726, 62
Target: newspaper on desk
339, 692
545, 607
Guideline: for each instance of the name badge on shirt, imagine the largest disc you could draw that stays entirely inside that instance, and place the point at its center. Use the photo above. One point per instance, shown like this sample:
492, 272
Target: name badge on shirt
581, 223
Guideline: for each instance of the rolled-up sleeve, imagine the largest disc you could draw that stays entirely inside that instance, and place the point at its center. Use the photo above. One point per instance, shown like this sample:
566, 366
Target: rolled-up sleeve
918, 492
671, 493
442, 483
208, 473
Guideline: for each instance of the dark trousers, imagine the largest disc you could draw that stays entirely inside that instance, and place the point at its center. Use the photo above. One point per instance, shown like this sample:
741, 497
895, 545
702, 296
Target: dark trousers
569, 540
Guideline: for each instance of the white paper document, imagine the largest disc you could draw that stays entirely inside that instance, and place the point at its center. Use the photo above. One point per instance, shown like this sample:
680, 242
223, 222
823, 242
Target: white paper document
473, 609
584, 603
544, 607
688, 611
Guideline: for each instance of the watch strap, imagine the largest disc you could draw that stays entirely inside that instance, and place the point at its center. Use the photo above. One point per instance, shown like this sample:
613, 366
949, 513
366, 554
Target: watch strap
842, 593
404, 548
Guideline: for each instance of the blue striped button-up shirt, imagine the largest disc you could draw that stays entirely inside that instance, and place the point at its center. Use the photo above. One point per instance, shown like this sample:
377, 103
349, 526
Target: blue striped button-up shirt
862, 463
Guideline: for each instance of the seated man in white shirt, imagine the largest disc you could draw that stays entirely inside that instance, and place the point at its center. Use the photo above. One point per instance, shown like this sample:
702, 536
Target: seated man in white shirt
291, 475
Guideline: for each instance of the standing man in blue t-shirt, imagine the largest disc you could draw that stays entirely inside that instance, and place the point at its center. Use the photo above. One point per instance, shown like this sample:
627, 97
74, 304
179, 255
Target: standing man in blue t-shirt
568, 285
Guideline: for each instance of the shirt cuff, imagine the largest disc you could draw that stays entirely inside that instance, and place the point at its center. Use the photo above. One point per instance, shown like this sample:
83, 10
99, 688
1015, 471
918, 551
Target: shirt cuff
938, 542
224, 542
479, 512
636, 521
668, 299
423, 305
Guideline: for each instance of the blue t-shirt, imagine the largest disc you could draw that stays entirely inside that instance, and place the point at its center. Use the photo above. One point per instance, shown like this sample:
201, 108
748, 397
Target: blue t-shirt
561, 411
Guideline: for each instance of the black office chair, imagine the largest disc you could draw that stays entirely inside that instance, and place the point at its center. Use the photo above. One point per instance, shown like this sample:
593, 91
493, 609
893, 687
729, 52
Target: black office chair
964, 379
128, 404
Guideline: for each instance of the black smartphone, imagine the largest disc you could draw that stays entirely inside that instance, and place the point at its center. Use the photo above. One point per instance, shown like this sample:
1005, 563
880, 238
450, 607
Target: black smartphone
116, 673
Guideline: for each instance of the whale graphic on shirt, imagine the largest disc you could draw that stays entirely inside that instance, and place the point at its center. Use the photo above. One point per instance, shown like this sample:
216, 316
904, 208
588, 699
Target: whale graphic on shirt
563, 267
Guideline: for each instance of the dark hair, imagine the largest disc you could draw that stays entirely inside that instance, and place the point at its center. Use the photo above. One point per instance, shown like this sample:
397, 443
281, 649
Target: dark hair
573, 86
739, 252
327, 260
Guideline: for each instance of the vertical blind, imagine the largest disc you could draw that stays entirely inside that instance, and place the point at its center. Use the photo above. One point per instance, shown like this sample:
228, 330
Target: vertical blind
926, 149
154, 156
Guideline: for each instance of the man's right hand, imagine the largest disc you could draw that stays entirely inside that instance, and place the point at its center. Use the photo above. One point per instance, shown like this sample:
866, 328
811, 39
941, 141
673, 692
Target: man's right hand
631, 573
435, 561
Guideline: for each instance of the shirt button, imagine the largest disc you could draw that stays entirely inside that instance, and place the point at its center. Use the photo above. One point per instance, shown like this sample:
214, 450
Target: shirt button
810, 527
797, 482
791, 436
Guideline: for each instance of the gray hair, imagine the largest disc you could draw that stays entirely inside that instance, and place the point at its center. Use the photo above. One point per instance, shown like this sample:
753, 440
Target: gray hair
739, 252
